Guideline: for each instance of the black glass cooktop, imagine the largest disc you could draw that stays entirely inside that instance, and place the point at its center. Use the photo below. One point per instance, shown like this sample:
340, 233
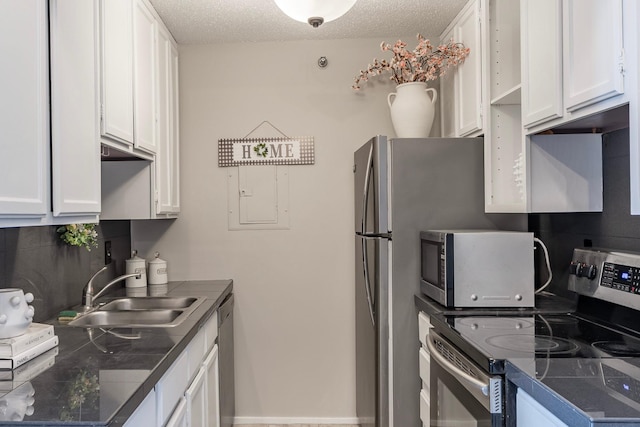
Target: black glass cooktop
554, 336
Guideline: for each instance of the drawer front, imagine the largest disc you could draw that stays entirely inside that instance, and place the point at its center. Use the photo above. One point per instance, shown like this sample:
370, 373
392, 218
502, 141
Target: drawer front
425, 361
424, 324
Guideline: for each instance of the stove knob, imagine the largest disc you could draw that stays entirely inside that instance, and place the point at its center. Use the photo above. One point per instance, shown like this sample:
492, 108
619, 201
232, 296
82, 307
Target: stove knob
574, 267
591, 272
474, 297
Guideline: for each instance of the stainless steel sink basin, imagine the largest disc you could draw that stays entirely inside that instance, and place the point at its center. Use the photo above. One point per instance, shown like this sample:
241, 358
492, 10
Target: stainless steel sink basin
126, 319
139, 312
147, 303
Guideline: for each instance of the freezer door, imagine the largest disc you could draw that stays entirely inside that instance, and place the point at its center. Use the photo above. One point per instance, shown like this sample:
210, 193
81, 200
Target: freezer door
370, 191
371, 292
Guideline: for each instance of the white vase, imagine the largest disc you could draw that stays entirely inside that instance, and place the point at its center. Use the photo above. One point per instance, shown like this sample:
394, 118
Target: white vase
412, 109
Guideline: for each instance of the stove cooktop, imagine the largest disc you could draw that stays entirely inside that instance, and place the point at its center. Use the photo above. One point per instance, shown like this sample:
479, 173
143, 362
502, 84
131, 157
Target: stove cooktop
540, 335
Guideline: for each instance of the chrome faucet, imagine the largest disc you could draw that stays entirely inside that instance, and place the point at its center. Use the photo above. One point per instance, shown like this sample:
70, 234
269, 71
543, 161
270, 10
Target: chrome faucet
90, 297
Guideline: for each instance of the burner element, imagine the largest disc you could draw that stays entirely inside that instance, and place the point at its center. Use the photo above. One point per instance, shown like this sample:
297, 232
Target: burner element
539, 344
618, 348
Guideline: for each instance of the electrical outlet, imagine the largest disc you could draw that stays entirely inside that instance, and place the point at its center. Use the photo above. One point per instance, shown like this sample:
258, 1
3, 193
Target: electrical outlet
107, 252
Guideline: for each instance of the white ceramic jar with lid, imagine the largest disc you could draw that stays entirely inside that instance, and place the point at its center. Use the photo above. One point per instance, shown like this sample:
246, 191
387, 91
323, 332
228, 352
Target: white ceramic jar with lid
15, 312
138, 265
158, 274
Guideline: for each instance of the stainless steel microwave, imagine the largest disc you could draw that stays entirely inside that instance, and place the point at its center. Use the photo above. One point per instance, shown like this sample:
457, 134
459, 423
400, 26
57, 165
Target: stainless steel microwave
478, 268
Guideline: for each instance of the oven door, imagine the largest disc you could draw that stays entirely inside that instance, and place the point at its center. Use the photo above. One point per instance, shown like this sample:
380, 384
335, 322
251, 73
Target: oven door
462, 394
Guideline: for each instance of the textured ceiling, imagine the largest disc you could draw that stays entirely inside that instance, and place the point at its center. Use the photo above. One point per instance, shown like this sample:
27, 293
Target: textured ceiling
223, 21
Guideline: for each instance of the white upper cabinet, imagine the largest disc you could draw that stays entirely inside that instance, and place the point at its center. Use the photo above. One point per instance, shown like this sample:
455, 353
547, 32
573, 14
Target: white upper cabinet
75, 125
594, 55
24, 109
468, 79
144, 73
541, 39
143, 189
461, 87
49, 131
117, 71
167, 158
447, 97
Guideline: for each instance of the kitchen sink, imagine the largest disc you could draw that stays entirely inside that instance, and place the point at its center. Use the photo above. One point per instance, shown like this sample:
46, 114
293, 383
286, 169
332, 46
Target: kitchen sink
139, 312
146, 303
126, 318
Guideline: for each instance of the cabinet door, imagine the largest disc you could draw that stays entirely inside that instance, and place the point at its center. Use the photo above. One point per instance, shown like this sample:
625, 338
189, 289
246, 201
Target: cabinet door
117, 70
179, 417
593, 51
197, 405
447, 97
75, 135
144, 76
468, 78
541, 38
213, 387
145, 414
166, 157
24, 108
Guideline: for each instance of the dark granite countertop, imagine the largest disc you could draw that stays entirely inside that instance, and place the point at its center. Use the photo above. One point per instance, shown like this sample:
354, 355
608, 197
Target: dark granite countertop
99, 378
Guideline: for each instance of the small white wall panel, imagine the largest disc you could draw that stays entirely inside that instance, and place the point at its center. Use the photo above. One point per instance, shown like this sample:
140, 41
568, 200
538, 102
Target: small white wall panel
258, 197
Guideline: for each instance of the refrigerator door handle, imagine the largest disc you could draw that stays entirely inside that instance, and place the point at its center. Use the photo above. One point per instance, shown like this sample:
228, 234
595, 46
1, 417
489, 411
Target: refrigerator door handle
365, 192
367, 280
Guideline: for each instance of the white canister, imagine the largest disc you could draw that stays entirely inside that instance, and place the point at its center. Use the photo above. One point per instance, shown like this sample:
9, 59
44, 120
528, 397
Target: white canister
136, 265
15, 312
158, 274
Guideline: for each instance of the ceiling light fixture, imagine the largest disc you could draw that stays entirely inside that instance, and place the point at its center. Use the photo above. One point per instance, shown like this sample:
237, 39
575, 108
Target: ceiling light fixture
315, 12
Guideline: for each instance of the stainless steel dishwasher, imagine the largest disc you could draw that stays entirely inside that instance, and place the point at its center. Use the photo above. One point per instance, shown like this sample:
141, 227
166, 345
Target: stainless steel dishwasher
226, 367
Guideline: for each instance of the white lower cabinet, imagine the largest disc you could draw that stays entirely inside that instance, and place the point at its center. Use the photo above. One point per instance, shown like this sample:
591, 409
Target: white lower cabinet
196, 396
424, 326
187, 394
145, 414
530, 413
179, 418
210, 366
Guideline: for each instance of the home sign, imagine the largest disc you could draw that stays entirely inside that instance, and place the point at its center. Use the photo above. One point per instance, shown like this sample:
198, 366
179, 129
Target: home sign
266, 151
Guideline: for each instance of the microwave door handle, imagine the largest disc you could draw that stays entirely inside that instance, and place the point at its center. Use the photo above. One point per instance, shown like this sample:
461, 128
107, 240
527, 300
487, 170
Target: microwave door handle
365, 192
367, 280
455, 371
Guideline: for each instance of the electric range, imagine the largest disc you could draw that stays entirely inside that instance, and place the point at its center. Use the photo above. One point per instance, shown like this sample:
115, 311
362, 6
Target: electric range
590, 356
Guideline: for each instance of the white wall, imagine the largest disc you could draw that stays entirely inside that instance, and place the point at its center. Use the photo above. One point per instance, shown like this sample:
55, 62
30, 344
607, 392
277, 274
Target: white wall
294, 318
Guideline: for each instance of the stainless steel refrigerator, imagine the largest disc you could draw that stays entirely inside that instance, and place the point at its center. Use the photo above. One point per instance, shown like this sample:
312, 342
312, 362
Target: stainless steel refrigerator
404, 186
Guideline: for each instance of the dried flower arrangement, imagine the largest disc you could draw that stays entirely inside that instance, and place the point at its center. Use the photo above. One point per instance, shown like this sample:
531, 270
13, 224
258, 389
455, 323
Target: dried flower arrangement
422, 64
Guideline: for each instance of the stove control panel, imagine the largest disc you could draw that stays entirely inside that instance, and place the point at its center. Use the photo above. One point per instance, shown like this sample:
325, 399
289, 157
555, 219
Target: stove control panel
606, 274
621, 277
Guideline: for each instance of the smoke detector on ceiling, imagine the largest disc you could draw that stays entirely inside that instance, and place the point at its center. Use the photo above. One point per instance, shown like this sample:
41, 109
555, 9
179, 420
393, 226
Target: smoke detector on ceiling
315, 12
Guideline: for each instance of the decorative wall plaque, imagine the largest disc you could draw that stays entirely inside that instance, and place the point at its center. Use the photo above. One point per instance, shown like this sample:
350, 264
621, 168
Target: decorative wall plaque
266, 151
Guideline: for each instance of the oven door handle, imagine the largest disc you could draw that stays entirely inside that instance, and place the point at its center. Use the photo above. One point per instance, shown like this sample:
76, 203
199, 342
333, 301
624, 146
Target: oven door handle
454, 370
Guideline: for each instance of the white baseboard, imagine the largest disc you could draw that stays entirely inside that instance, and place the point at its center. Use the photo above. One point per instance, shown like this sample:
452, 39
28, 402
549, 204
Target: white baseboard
295, 420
